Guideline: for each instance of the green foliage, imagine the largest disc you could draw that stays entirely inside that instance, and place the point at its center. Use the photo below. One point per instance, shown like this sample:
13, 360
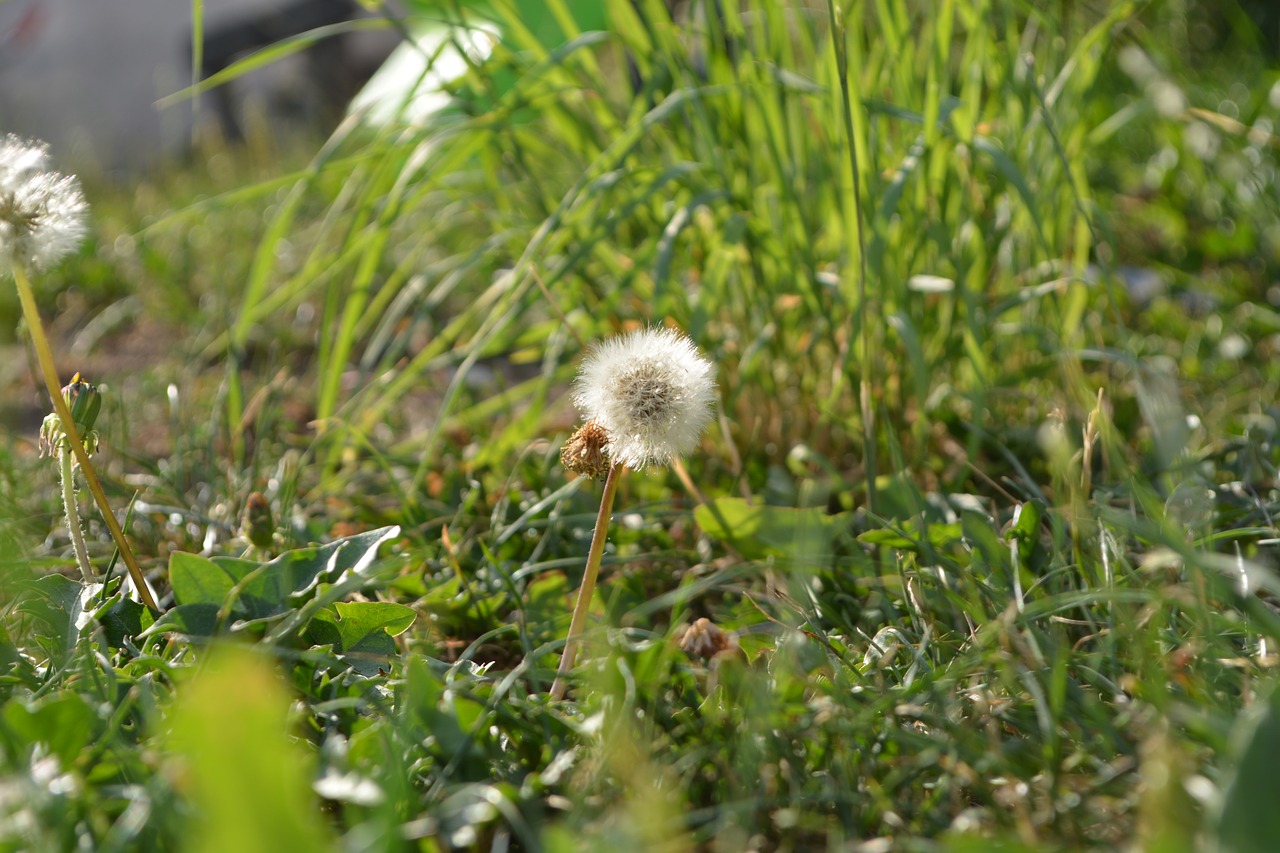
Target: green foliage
249, 782
1048, 629
360, 632
1247, 820
762, 531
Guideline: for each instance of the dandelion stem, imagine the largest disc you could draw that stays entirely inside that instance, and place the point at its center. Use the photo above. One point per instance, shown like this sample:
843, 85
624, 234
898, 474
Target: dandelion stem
73, 513
44, 355
682, 474
578, 623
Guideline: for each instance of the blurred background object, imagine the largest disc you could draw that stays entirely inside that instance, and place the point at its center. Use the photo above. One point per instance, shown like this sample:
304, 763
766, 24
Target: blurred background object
331, 70
85, 77
20, 24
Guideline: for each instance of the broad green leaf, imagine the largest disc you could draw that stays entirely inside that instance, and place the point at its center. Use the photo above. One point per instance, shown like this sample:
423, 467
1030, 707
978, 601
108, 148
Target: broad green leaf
889, 538
237, 567
198, 580
57, 591
358, 619
64, 606
1026, 521
63, 722
355, 554
908, 536
360, 632
263, 590
194, 620
125, 618
295, 573
1250, 822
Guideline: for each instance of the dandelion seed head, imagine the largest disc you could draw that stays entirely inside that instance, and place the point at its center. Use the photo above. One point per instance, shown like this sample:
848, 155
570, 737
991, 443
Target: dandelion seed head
651, 391
20, 158
42, 212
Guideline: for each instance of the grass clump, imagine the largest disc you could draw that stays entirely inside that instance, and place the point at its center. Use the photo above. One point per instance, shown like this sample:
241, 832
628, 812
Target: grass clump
978, 550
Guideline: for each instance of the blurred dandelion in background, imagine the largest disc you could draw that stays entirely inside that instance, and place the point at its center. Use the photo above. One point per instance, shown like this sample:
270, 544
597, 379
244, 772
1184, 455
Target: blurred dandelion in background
42, 212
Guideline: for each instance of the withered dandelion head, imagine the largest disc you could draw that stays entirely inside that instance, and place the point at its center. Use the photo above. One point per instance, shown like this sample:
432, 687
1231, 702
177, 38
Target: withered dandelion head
651, 391
704, 639
583, 453
42, 212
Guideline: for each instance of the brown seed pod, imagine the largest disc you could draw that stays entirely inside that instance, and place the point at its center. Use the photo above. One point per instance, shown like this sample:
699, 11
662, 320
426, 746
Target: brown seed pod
584, 453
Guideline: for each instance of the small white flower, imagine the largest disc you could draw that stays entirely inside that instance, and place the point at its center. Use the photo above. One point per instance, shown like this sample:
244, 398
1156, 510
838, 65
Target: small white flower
651, 391
41, 212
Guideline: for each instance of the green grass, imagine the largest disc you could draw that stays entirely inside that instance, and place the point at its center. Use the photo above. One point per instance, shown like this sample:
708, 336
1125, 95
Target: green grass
1036, 611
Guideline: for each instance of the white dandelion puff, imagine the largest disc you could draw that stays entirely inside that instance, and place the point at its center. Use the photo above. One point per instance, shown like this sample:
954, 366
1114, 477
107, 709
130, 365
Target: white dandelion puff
20, 158
42, 213
652, 391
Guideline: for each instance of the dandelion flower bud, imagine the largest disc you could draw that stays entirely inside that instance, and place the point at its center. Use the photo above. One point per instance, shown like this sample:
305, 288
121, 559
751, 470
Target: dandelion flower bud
651, 391
84, 401
257, 524
41, 212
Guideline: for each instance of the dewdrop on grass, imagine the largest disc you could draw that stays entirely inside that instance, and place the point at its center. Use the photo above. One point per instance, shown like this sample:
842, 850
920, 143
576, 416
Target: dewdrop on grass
651, 392
42, 212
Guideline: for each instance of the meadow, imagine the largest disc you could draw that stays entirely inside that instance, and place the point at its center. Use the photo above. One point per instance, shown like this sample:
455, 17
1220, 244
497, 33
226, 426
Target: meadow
979, 550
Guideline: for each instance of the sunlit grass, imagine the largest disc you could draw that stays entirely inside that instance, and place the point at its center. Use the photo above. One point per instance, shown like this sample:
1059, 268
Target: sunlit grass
1051, 626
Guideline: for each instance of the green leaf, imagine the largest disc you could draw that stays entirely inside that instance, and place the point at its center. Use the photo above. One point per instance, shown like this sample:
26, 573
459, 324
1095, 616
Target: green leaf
63, 606
296, 573
757, 530
910, 536
198, 580
360, 632
267, 589
237, 568
125, 618
65, 723
1026, 521
889, 538
1250, 822
249, 782
56, 591
261, 592
355, 554
194, 620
